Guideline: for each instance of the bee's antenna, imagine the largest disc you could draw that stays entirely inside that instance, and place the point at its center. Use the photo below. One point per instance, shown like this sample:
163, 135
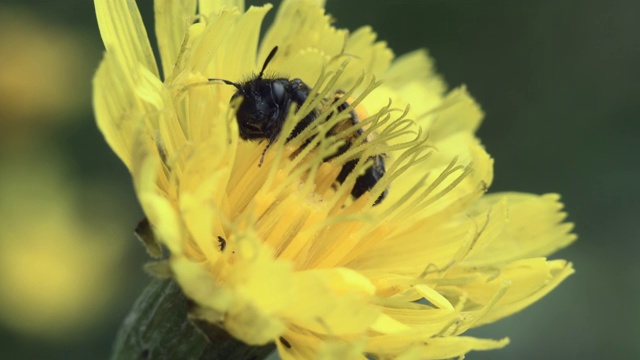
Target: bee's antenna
266, 62
264, 67
236, 85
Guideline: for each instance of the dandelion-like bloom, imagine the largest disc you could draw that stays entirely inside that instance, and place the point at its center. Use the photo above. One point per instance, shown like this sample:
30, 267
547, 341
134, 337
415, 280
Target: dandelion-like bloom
262, 238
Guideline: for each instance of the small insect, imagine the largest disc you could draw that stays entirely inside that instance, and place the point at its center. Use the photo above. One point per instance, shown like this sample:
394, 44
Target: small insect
285, 342
262, 114
222, 243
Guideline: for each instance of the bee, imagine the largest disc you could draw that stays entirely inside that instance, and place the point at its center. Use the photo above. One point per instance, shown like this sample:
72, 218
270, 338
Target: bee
265, 106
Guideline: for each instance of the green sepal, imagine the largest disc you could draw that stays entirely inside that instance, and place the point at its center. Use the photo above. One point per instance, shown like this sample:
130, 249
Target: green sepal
144, 233
159, 269
158, 328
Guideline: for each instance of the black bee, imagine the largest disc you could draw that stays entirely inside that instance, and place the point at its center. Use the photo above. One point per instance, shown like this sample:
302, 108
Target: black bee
266, 104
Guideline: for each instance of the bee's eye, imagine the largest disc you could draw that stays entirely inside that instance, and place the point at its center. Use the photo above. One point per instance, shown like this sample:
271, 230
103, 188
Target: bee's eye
277, 91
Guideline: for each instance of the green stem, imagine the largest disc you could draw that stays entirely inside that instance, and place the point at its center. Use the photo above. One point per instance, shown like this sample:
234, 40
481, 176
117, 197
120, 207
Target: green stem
157, 328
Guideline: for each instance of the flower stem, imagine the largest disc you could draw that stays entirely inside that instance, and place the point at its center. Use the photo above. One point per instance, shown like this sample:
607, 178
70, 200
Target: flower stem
157, 327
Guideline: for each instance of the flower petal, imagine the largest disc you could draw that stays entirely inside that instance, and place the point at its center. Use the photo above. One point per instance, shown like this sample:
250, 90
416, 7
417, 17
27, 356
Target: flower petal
172, 19
332, 302
210, 7
305, 37
413, 77
124, 34
457, 113
235, 32
375, 56
417, 346
112, 98
526, 289
528, 280
122, 100
309, 346
534, 228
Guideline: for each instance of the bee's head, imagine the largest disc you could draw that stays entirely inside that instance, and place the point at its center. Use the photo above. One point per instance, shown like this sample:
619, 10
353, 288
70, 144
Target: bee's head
263, 100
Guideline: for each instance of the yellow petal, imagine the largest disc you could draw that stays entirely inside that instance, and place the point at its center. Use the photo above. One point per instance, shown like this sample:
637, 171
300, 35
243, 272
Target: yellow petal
124, 34
308, 346
413, 77
112, 98
159, 210
127, 103
418, 346
534, 228
458, 112
236, 33
528, 280
207, 166
373, 59
449, 347
213, 7
332, 302
427, 320
305, 37
433, 297
172, 19
513, 302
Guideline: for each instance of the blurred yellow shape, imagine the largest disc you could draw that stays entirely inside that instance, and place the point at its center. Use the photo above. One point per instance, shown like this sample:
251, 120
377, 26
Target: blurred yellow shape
43, 72
58, 271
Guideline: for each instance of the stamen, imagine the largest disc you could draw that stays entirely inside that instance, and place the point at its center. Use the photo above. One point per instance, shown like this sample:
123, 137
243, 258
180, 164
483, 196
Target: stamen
422, 200
400, 203
295, 116
465, 171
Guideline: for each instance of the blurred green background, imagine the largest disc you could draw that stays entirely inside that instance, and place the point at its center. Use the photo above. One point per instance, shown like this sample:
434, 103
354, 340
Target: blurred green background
559, 82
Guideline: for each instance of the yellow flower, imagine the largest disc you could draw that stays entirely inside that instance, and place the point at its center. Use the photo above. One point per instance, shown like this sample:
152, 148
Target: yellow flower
264, 241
